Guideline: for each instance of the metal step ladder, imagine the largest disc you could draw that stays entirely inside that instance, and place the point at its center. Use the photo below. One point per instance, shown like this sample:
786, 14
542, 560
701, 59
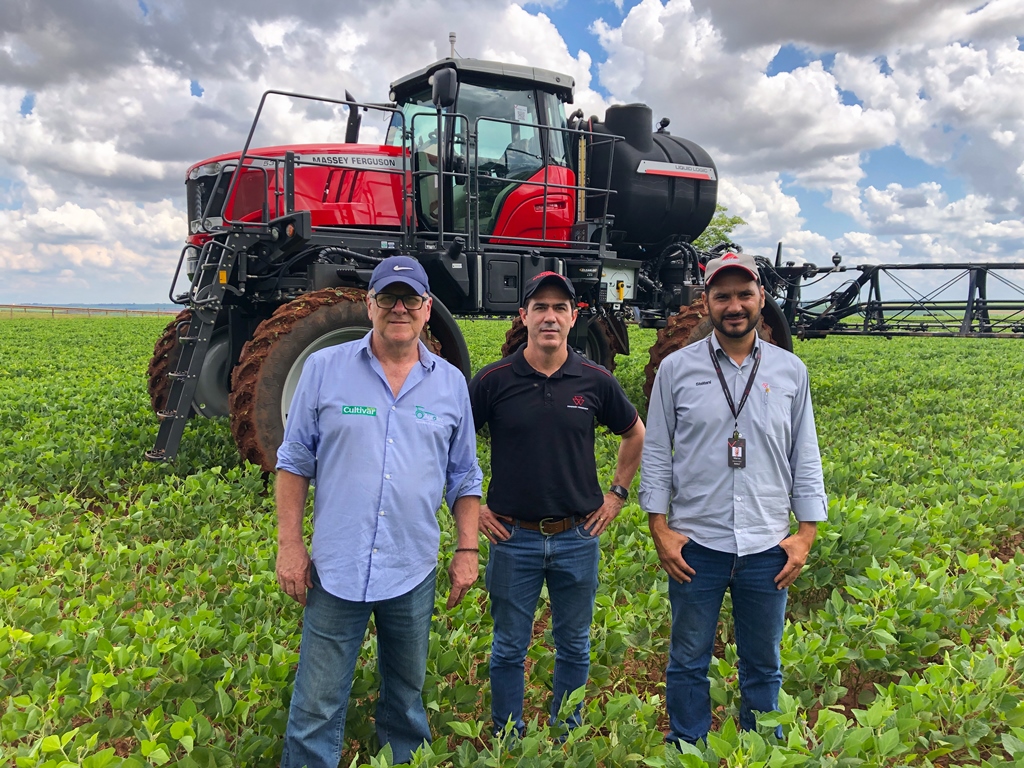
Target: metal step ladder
205, 298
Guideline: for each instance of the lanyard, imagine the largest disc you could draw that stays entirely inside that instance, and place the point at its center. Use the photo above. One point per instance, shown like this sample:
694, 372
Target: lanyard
725, 387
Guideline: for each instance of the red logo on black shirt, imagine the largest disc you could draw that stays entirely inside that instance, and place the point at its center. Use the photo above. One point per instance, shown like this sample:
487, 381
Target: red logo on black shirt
578, 399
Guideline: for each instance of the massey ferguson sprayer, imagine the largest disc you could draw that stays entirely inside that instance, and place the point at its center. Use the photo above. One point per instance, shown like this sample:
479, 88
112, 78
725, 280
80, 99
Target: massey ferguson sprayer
485, 180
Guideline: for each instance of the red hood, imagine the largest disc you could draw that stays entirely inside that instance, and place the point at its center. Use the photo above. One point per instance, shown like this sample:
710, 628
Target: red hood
363, 149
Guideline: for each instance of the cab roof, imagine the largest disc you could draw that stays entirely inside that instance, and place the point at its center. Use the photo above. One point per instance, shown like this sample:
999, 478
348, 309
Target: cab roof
545, 79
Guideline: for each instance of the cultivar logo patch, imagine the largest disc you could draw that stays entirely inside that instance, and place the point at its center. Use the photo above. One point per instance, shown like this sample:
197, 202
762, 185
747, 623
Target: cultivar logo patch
577, 403
578, 399
359, 410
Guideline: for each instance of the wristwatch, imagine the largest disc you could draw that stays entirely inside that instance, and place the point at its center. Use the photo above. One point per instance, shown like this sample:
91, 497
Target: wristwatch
620, 491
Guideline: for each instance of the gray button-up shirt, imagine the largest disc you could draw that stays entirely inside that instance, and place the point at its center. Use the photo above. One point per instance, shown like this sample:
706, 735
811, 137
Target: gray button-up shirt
685, 471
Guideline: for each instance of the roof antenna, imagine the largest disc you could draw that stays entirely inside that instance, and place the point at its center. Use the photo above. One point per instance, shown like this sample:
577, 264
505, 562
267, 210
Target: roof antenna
451, 39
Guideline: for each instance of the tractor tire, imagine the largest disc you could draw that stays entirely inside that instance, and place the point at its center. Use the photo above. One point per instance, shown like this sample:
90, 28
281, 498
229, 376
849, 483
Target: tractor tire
691, 324
211, 397
601, 343
164, 360
264, 381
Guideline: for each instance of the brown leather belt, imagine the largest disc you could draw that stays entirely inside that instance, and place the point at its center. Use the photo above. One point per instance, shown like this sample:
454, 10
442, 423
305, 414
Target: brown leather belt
548, 526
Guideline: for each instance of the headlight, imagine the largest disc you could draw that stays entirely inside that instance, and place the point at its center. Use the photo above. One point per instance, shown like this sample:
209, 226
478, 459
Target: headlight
191, 261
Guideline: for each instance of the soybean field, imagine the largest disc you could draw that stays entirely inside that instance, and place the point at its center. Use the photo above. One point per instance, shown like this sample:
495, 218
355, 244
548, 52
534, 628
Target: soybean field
141, 623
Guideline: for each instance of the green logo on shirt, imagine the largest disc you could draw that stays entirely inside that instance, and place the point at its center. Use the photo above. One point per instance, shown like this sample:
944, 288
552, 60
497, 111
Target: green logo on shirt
358, 410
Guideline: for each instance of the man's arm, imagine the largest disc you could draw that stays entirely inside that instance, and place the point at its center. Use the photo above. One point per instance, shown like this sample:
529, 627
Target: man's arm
293, 563
630, 450
465, 566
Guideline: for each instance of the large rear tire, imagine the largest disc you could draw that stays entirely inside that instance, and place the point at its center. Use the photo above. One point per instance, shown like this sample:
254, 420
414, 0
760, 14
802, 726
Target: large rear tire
601, 344
264, 381
690, 324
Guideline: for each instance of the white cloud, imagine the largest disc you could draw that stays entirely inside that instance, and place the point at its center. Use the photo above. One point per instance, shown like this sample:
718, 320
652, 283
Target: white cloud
91, 192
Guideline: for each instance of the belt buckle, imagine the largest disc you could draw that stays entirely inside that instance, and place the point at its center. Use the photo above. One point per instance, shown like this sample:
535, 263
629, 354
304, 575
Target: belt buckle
542, 523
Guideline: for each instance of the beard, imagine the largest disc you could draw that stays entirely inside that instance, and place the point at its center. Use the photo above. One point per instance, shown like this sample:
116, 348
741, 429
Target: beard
752, 323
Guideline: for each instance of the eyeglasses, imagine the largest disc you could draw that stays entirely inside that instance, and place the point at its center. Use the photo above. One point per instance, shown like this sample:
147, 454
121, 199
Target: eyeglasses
388, 300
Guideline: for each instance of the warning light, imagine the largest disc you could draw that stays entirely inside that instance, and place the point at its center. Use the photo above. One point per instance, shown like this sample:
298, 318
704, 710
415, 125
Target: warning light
290, 230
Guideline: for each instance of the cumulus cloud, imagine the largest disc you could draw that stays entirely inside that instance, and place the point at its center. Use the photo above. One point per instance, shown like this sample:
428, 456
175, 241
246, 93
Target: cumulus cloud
99, 121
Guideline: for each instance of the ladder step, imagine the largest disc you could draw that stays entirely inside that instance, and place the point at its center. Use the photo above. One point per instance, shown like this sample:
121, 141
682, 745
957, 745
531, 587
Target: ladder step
157, 454
191, 339
177, 375
167, 414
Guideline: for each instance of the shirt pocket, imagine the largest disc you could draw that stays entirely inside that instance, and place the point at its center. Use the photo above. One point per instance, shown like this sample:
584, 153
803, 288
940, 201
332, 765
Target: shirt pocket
776, 410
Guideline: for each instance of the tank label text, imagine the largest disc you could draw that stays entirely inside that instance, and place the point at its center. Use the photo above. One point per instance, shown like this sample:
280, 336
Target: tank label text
359, 410
655, 168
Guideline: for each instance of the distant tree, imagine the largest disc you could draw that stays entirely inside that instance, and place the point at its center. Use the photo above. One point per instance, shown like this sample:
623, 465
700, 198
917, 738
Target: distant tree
718, 230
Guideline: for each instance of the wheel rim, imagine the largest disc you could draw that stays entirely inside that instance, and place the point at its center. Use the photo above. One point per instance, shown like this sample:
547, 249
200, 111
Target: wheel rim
211, 398
329, 339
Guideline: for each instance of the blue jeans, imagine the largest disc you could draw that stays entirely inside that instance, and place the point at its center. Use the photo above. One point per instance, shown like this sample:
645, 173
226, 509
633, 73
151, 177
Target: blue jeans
759, 613
516, 570
332, 633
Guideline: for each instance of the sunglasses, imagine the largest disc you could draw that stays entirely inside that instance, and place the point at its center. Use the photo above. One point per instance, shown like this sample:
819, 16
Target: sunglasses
388, 300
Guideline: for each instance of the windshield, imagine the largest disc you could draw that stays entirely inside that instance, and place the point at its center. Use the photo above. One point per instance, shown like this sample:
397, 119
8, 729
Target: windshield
418, 104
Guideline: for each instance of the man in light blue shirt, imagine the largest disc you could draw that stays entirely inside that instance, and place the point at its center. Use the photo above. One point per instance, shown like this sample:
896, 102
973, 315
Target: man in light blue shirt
384, 429
730, 451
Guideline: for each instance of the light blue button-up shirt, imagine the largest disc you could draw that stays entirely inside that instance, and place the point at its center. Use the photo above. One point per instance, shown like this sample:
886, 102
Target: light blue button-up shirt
381, 465
685, 471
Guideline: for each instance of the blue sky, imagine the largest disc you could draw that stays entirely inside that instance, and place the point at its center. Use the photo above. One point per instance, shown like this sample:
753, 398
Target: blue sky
894, 131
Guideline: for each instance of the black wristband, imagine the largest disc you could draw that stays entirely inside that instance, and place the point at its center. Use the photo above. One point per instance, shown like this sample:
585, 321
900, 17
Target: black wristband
620, 491
468, 549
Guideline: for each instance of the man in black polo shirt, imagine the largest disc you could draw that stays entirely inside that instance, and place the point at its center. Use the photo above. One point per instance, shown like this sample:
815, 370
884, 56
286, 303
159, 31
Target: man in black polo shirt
545, 509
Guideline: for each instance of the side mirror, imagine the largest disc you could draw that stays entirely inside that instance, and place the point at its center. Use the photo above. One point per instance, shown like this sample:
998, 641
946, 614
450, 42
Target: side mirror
445, 84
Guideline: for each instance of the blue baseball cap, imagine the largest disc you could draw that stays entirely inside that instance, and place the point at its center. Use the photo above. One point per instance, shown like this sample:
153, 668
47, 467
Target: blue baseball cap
399, 269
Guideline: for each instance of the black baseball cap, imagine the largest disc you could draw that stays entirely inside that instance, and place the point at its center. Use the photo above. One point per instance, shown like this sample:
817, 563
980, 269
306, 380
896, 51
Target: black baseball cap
548, 278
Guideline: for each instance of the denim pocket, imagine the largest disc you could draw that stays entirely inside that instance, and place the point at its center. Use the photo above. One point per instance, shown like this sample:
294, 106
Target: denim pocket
510, 529
583, 533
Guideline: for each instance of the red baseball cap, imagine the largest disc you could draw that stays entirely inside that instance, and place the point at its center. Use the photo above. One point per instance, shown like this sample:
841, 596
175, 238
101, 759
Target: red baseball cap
731, 260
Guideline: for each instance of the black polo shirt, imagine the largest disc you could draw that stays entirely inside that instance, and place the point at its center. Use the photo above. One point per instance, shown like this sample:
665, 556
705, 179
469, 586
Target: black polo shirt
542, 434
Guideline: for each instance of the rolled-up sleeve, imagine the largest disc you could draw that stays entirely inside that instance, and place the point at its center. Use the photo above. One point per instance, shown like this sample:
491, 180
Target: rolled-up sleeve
297, 453
463, 475
808, 496
656, 463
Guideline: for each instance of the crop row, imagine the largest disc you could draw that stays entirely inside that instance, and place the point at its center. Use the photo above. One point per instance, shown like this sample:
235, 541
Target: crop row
140, 621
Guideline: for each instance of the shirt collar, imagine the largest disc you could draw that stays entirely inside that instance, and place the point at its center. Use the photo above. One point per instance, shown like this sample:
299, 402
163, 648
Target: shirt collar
426, 359
573, 365
717, 346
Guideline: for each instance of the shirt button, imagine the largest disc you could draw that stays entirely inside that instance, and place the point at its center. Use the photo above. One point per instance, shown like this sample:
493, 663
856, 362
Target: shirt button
390, 440
381, 513
375, 549
739, 498
387, 477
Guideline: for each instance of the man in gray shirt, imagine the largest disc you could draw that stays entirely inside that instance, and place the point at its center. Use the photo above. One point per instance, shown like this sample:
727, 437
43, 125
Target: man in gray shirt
730, 451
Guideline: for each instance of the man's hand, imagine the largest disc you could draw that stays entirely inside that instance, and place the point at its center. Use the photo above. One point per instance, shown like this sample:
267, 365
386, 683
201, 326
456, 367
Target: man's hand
598, 520
463, 571
670, 545
797, 547
293, 570
491, 526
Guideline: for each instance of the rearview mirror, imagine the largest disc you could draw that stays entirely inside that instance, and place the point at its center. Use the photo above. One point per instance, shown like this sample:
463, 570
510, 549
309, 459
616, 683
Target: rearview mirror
445, 85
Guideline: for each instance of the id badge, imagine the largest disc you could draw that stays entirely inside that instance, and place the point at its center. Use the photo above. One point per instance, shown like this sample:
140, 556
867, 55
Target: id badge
737, 452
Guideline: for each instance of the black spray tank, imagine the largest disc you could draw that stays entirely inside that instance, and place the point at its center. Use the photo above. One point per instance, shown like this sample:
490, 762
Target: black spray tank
666, 187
